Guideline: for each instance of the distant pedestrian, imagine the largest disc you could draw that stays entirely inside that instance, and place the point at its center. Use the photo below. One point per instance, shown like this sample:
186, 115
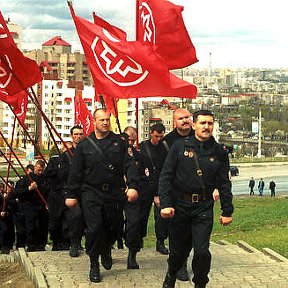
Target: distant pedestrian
261, 185
272, 186
251, 185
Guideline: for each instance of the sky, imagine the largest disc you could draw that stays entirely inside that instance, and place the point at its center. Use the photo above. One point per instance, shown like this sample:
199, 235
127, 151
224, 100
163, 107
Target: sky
247, 33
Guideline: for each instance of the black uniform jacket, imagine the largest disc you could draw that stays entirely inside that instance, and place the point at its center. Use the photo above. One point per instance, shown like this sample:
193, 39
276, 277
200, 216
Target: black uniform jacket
90, 170
179, 172
32, 197
158, 154
171, 137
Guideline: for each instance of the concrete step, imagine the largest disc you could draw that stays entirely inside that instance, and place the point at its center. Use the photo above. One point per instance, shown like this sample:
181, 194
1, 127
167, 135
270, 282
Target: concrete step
232, 266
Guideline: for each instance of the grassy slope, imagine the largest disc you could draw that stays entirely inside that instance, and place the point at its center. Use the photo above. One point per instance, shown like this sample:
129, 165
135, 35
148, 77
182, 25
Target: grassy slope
260, 221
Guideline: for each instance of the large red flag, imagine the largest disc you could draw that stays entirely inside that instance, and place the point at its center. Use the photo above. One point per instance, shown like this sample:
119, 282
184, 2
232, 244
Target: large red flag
18, 102
17, 72
160, 23
110, 102
124, 69
83, 116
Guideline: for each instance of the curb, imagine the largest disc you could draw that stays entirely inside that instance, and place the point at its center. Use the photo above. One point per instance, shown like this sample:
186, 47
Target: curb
33, 273
247, 247
274, 255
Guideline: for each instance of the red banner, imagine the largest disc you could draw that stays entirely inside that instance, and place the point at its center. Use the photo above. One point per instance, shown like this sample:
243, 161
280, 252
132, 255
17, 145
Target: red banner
83, 116
123, 69
17, 72
160, 23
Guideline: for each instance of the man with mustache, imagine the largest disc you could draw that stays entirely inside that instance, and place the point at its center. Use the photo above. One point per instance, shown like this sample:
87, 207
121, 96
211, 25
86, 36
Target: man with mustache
193, 169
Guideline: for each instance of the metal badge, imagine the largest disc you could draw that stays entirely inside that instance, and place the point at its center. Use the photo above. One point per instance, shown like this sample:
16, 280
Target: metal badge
186, 153
147, 172
130, 152
212, 159
190, 154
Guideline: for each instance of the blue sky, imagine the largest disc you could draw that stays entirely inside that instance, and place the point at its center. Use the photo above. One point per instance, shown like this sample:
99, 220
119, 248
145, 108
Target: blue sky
247, 33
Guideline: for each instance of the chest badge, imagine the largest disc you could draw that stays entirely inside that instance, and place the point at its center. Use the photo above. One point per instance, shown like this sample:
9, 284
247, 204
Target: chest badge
190, 154
186, 153
146, 172
212, 159
130, 152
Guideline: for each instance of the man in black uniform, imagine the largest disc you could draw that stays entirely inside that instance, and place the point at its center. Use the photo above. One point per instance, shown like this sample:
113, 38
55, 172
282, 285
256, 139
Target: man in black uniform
36, 213
192, 170
137, 212
154, 151
98, 167
65, 224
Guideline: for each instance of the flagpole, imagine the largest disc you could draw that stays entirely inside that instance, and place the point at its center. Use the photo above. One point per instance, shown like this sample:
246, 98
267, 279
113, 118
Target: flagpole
116, 115
48, 122
27, 174
29, 136
137, 100
12, 139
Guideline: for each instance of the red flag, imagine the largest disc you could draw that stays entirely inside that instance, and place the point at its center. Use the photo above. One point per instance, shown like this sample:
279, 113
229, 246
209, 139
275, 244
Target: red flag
18, 101
115, 31
160, 23
124, 69
83, 116
21, 109
110, 102
17, 72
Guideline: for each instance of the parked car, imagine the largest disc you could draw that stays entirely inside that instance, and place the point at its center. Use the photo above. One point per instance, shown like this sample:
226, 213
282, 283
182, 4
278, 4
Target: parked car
234, 170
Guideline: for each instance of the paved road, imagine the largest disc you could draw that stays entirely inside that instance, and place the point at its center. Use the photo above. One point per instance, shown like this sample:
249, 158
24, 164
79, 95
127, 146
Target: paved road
232, 266
268, 171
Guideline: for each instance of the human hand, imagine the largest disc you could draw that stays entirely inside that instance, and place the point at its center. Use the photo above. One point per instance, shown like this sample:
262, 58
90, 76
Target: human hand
132, 195
167, 212
71, 202
216, 195
32, 186
157, 201
225, 221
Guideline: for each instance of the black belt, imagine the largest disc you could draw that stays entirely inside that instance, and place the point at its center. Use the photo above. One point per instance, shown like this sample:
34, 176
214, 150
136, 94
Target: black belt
107, 186
193, 197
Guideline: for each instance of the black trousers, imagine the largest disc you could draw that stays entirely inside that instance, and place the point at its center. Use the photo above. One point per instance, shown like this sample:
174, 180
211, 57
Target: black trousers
19, 220
136, 220
161, 225
103, 222
57, 221
36, 222
8, 231
190, 227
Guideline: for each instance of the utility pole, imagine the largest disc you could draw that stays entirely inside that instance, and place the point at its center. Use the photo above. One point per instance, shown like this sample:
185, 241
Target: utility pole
259, 127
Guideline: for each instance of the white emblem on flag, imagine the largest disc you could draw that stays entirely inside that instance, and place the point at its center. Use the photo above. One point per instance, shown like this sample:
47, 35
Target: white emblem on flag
148, 23
3, 34
131, 75
4, 75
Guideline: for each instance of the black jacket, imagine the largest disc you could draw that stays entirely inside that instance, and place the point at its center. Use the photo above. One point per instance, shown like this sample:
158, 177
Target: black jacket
89, 170
179, 172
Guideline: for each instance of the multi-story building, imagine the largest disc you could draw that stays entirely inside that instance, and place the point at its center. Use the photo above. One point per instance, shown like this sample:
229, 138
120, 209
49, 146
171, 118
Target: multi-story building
56, 98
56, 55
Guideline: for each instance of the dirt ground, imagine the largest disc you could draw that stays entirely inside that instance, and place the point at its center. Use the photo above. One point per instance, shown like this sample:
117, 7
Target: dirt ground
12, 275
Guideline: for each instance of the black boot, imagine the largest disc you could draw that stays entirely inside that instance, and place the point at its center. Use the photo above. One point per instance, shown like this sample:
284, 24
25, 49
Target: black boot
131, 261
160, 247
169, 281
106, 258
182, 274
74, 252
94, 274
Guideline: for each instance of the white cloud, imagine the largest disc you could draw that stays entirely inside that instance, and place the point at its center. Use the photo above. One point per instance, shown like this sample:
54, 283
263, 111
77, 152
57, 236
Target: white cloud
238, 33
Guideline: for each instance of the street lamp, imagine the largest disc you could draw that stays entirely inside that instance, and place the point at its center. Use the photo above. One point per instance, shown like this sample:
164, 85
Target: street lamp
259, 127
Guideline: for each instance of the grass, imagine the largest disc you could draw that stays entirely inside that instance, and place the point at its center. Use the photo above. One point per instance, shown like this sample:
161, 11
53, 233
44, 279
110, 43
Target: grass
259, 221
